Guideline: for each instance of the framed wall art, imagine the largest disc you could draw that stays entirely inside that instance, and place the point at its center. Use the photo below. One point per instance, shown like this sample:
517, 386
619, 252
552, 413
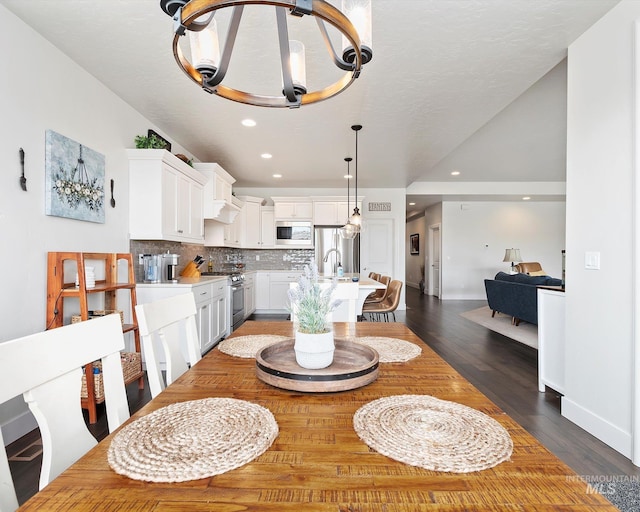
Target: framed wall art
414, 243
74, 184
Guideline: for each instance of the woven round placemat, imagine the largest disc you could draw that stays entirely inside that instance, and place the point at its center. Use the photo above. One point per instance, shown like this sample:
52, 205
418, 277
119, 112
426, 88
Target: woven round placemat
391, 350
192, 440
434, 434
248, 346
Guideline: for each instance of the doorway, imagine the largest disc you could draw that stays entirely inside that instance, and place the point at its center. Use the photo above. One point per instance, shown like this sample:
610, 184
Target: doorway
433, 261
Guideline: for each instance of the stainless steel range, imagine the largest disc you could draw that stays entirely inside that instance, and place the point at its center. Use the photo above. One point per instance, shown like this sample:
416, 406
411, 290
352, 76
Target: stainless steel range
236, 282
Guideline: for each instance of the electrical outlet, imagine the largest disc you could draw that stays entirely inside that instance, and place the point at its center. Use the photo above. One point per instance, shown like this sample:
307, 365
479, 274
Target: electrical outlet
257, 257
140, 259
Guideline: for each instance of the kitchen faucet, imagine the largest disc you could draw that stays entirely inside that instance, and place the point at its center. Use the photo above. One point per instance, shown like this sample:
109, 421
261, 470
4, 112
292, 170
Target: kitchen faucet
338, 257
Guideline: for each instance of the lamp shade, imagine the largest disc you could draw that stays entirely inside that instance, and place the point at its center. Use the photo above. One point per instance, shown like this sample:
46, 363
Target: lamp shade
512, 255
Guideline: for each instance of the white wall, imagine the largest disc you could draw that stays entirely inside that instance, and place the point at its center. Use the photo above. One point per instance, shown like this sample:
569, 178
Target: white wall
42, 89
413, 262
476, 234
600, 181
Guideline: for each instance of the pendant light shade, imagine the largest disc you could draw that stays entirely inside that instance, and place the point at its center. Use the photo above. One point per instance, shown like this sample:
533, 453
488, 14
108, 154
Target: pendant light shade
348, 231
355, 219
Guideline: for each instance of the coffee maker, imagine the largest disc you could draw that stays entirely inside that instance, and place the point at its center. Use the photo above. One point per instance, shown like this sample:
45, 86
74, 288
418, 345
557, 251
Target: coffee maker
170, 267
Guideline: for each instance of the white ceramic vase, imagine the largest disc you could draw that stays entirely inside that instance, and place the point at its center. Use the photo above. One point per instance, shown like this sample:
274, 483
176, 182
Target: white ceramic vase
314, 351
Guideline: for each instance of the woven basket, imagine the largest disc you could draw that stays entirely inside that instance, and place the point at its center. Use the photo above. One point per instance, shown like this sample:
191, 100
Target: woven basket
98, 313
131, 366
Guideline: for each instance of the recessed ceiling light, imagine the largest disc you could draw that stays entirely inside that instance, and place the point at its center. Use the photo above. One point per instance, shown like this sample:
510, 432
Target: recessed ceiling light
526, 198
412, 204
455, 173
347, 176
248, 122
277, 175
266, 155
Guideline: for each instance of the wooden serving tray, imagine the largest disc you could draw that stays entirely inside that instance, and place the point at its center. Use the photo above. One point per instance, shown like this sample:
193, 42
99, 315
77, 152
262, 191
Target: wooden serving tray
354, 365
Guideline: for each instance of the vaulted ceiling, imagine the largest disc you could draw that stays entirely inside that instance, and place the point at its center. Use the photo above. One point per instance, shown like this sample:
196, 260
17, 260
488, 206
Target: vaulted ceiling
441, 70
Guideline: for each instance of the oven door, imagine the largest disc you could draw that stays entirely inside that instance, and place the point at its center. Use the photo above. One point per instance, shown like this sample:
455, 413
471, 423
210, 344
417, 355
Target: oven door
237, 305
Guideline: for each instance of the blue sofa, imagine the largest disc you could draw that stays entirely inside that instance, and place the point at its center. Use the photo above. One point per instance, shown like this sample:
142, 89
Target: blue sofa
516, 295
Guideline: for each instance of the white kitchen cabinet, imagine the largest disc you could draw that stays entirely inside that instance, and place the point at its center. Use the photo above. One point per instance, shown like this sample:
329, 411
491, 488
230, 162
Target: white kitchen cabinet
221, 314
290, 208
332, 212
279, 288
263, 283
204, 315
249, 294
212, 305
267, 227
165, 197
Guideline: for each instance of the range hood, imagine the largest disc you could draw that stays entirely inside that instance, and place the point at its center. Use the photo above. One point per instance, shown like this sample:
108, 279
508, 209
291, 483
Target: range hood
220, 210
219, 203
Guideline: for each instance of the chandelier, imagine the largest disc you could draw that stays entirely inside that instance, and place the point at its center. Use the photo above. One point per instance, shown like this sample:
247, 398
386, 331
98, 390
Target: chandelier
209, 63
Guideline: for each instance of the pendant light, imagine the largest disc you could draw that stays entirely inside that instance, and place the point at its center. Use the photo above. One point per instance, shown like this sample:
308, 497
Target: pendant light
355, 219
348, 231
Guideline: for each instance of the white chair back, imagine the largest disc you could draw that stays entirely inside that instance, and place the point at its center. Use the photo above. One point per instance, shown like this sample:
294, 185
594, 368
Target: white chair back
46, 368
168, 327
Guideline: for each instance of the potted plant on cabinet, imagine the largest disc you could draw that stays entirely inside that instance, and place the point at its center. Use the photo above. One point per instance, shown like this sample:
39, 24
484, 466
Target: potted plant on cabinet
311, 305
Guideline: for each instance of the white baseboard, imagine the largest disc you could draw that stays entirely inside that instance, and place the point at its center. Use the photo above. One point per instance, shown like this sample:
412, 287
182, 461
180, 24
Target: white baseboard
609, 434
18, 427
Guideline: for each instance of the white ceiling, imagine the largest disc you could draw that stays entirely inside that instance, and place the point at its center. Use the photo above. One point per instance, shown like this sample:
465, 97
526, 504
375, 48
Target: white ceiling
441, 70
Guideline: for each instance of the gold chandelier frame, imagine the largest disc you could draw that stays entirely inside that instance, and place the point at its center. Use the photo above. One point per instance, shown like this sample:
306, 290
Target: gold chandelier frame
185, 18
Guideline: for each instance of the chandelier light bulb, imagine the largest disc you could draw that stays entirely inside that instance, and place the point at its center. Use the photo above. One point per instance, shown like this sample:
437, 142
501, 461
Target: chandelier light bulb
298, 67
205, 49
359, 14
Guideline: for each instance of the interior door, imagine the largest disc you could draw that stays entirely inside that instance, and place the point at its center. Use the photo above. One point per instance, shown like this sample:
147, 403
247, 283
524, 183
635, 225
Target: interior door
376, 247
434, 253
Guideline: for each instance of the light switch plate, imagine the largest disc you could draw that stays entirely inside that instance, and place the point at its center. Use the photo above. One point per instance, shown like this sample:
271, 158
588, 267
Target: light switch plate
592, 260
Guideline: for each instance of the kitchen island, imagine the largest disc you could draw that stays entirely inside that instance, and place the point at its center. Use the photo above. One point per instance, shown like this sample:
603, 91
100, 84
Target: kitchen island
352, 294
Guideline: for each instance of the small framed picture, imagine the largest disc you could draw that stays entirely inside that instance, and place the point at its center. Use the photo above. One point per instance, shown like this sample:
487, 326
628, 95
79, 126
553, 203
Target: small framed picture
414, 243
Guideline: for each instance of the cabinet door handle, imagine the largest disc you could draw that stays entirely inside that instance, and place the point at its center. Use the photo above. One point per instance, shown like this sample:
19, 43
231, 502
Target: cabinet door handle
203, 293
180, 231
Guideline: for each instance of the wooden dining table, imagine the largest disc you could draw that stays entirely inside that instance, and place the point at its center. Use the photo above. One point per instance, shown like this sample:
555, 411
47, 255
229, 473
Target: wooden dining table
318, 462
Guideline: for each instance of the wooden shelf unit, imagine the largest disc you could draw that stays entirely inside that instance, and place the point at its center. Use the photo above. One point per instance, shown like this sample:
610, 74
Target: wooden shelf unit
59, 288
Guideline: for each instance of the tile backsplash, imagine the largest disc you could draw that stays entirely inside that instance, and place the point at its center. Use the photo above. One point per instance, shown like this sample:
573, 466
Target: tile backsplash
223, 257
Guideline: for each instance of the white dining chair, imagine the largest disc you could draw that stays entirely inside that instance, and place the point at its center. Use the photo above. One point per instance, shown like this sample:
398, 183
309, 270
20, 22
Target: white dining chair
168, 327
46, 369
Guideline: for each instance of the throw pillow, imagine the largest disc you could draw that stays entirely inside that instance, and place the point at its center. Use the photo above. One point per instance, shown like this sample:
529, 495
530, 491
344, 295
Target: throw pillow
538, 273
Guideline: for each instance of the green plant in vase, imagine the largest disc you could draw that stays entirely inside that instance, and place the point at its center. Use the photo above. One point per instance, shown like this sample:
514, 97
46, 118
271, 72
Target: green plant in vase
311, 305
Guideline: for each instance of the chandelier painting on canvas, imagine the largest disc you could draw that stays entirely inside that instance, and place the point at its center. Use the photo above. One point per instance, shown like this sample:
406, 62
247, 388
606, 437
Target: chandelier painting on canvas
74, 179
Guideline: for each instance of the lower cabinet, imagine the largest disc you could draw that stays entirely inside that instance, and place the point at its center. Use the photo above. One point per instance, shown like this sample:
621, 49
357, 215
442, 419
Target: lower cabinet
212, 306
249, 294
272, 289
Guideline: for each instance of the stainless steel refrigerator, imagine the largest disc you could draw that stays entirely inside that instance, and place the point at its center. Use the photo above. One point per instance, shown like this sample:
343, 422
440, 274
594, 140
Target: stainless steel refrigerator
331, 248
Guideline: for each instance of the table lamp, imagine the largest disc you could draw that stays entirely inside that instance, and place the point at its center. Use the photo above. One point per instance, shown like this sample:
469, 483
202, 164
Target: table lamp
512, 255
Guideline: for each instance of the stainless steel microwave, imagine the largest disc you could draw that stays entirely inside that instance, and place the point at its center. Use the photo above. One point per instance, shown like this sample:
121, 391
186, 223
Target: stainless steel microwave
294, 233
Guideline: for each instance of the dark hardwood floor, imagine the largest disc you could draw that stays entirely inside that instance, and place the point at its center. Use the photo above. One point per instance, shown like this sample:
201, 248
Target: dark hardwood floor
504, 370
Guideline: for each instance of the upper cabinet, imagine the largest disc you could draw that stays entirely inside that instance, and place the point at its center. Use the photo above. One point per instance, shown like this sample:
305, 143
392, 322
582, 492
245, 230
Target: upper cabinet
293, 208
218, 199
332, 211
165, 197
